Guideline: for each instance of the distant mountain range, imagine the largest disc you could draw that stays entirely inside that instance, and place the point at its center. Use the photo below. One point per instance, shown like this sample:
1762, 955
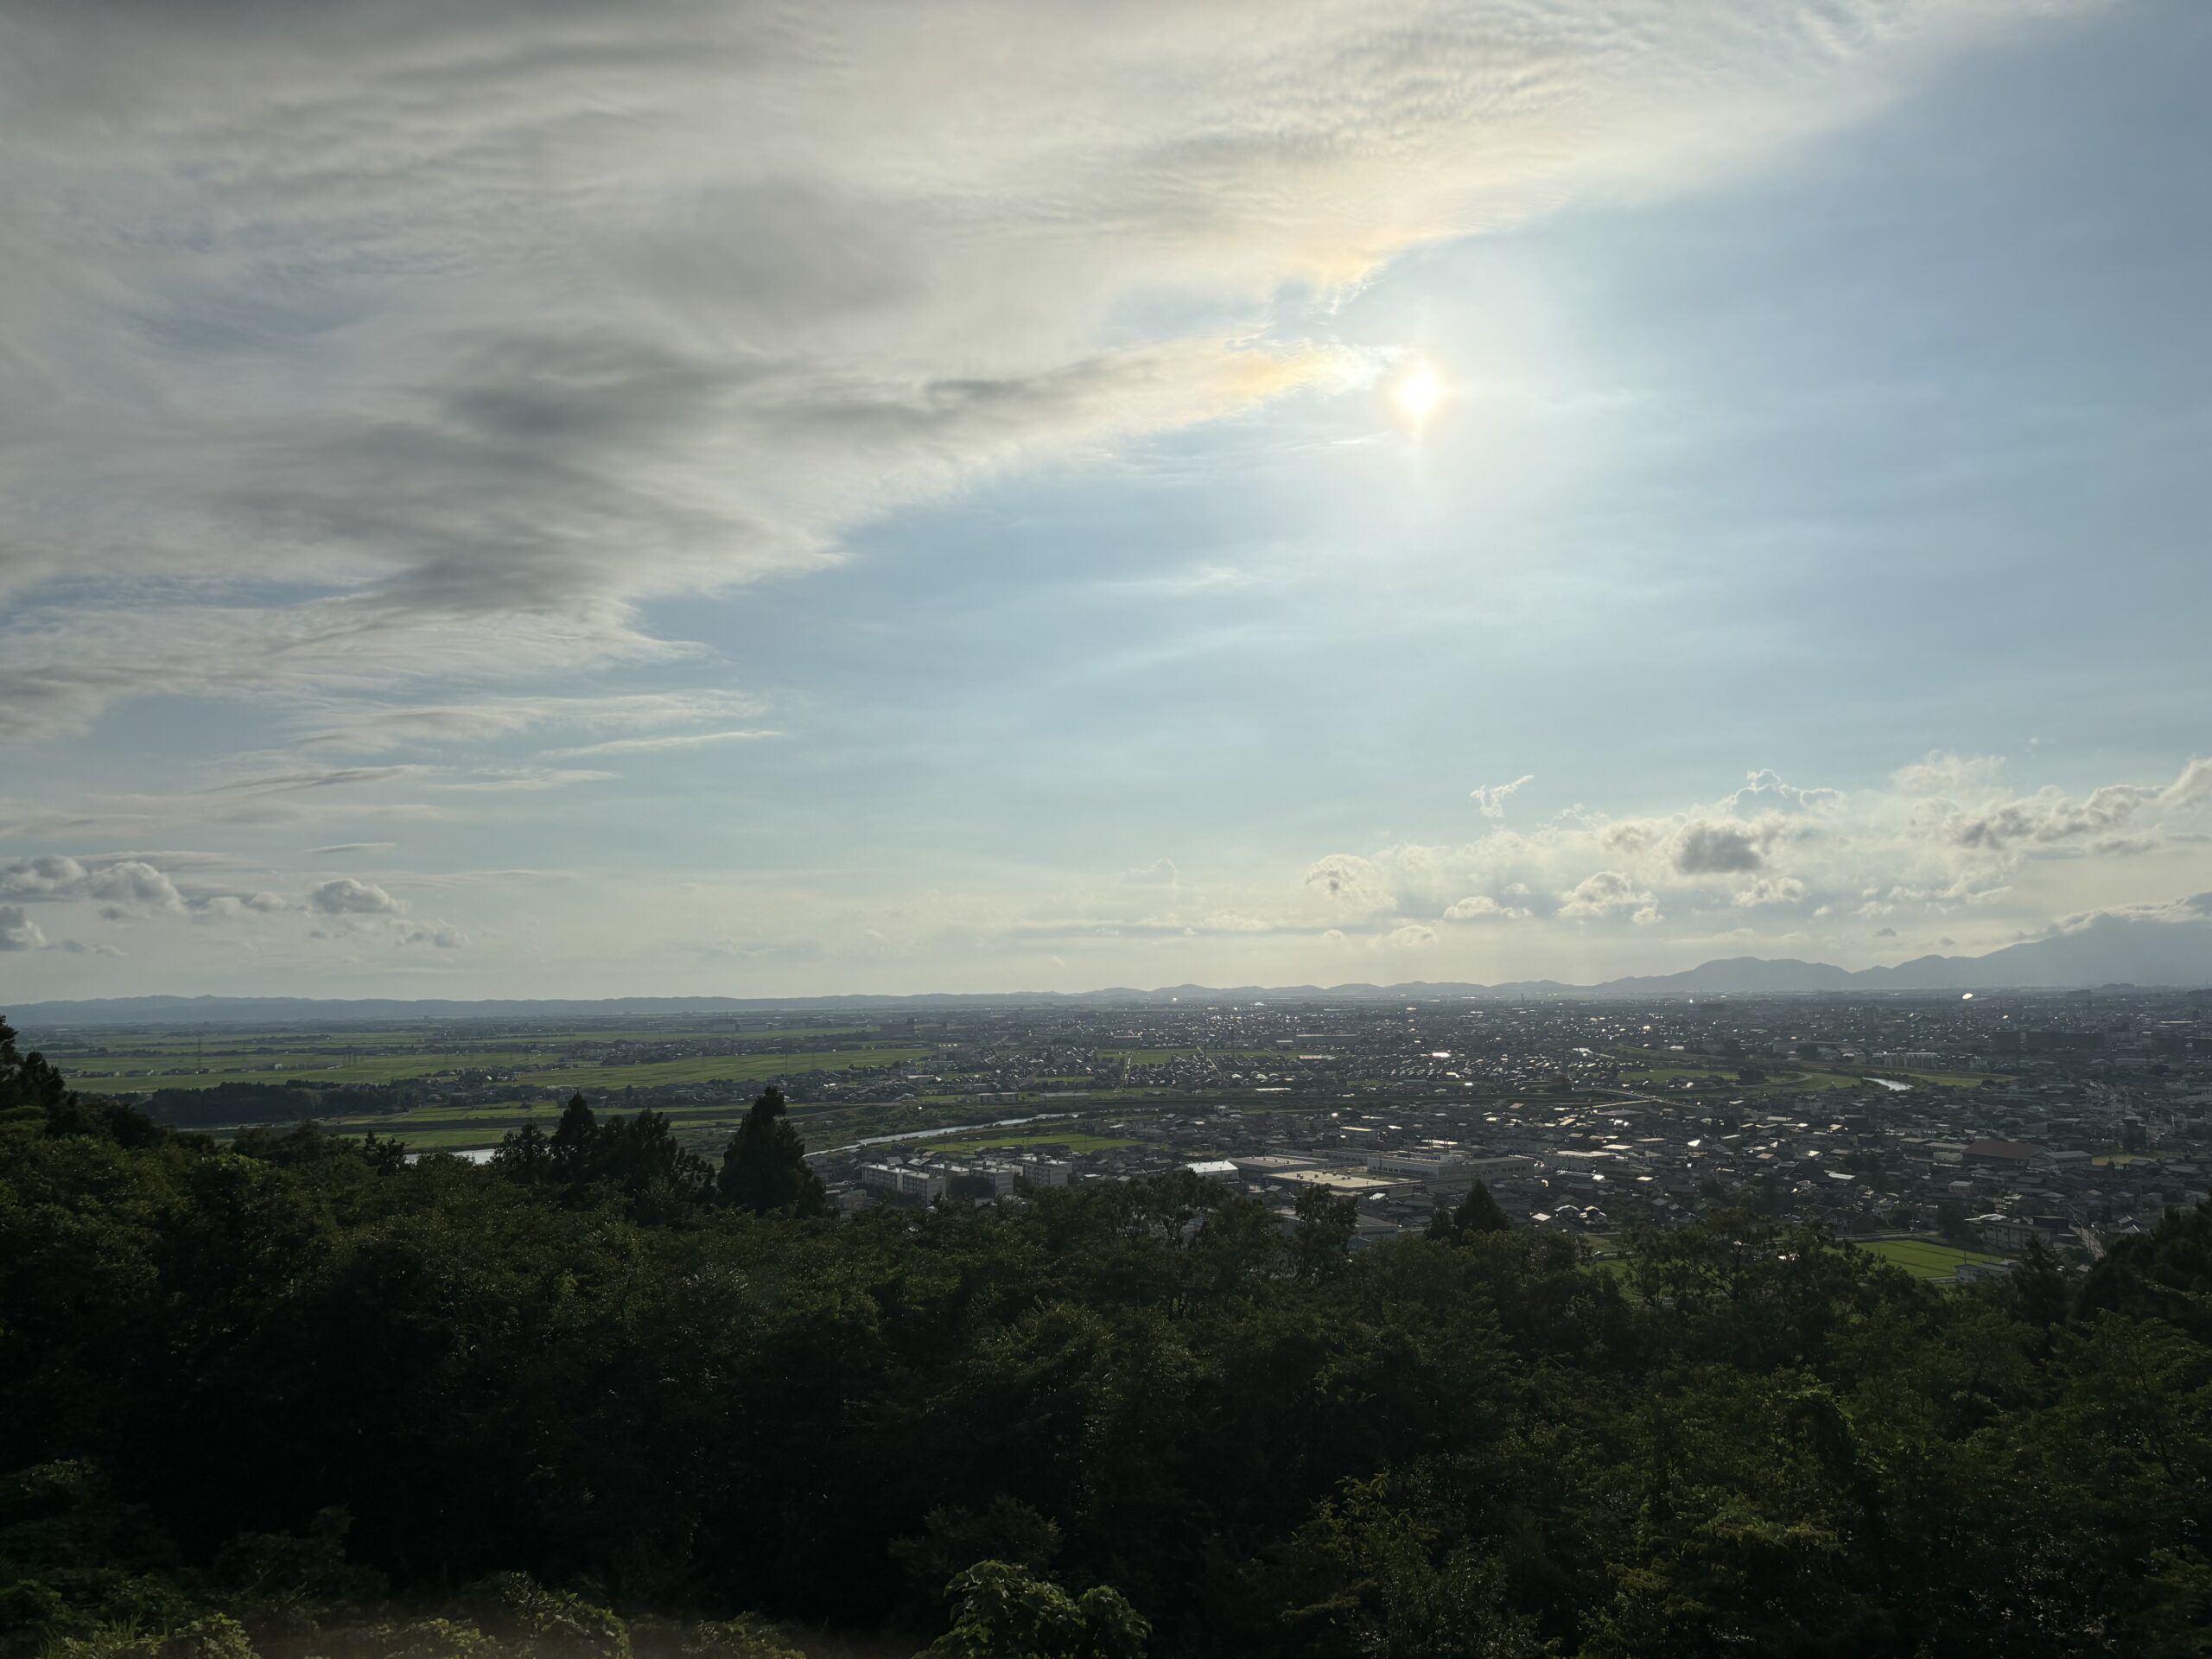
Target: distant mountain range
2111, 950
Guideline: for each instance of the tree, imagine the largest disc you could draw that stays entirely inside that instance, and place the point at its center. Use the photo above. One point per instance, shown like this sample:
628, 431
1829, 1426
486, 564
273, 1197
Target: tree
572, 1138
1004, 1613
1479, 1212
1951, 1221
27, 1079
765, 1168
1326, 1224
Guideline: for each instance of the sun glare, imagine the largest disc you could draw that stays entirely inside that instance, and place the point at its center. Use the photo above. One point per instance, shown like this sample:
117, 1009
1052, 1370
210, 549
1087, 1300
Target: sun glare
1417, 392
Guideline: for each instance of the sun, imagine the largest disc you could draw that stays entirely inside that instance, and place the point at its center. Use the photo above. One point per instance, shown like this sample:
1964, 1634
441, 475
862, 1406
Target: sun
1417, 392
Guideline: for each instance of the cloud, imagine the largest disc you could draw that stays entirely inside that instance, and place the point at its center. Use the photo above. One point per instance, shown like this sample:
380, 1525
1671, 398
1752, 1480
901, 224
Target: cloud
347, 897
1603, 893
656, 745
1940, 773
335, 777
18, 932
1765, 787
530, 315
1481, 907
1161, 873
1410, 935
126, 886
1702, 848
373, 729
2193, 911
1490, 798
52, 876
1770, 890
442, 936
133, 885
1231, 921
238, 906
1348, 880
2051, 816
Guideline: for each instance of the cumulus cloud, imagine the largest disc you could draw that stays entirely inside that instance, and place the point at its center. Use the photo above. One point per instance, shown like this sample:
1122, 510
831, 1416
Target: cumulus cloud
1766, 788
238, 906
2052, 816
135, 888
18, 932
1725, 847
1410, 935
1349, 880
124, 887
1770, 890
1481, 907
347, 897
533, 314
1490, 798
1606, 892
54, 876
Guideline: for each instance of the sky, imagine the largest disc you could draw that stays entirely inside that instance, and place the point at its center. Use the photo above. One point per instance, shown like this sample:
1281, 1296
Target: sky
660, 498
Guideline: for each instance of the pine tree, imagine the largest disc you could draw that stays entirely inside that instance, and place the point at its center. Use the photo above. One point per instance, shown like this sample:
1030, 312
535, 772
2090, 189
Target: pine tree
765, 1168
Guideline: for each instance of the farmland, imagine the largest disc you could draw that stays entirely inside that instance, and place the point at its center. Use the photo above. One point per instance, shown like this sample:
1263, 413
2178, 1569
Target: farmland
1925, 1258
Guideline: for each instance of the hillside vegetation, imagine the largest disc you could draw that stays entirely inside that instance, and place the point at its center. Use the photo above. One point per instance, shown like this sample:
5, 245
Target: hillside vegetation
299, 1395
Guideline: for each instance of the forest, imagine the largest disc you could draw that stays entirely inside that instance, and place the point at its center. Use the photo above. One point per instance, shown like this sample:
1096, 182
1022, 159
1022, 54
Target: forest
301, 1396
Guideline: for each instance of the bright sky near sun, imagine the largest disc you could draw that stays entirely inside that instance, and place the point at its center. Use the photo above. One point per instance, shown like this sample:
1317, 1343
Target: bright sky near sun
501, 501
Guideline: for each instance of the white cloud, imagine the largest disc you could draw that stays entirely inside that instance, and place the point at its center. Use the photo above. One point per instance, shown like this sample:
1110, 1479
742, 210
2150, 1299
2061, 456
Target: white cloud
238, 906
1940, 773
1770, 890
2052, 816
656, 745
1490, 798
1603, 893
126, 886
1350, 881
347, 897
18, 932
1410, 935
1481, 907
1231, 921
530, 315
1765, 787
373, 729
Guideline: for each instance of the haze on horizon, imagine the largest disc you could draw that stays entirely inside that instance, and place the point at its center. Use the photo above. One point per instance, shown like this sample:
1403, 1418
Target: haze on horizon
510, 501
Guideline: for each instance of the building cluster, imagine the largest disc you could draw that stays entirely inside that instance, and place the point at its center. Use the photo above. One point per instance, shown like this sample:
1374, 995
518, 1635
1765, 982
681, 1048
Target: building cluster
2072, 1120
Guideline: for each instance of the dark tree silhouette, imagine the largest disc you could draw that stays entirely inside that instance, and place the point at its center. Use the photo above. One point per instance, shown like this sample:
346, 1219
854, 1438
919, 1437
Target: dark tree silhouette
1477, 1213
765, 1168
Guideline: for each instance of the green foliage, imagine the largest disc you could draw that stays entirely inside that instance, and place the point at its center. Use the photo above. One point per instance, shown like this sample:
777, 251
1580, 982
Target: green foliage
1003, 1612
764, 1169
290, 1394
1479, 1212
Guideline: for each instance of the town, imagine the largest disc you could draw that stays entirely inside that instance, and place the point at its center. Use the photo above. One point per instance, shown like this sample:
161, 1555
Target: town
1986, 1122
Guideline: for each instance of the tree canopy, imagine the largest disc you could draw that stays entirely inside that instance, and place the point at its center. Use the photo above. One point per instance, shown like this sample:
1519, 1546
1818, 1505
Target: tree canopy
299, 1395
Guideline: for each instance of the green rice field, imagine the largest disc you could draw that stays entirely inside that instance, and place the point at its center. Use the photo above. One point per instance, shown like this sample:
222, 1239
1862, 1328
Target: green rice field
1925, 1258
